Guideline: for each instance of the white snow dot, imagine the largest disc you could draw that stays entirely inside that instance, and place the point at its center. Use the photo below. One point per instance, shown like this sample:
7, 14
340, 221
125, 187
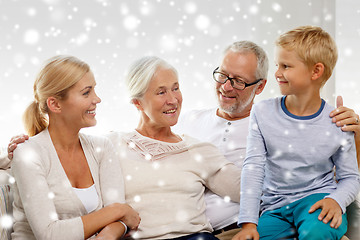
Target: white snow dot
128, 177
181, 216
278, 153
227, 199
148, 157
51, 195
343, 142
131, 22
11, 180
155, 165
131, 144
35, 61
6, 221
328, 17
112, 194
276, 7
190, 7
31, 12
348, 52
168, 42
286, 132
31, 37
161, 183
137, 198
288, 175
254, 9
202, 22
301, 126
53, 216
198, 157
146, 9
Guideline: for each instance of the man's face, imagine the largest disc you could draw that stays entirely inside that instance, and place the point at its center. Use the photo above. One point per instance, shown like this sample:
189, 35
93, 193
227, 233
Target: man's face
232, 101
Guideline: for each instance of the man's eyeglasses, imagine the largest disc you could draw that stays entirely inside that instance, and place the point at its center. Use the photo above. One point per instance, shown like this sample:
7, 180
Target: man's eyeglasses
237, 83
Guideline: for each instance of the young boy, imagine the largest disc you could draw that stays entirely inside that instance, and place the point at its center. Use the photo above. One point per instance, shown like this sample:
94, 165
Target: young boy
293, 147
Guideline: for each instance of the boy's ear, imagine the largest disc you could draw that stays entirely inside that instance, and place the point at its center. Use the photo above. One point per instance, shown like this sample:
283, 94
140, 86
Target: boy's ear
137, 104
53, 104
317, 71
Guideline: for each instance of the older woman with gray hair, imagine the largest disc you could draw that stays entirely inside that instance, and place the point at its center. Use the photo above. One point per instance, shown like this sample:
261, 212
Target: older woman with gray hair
166, 174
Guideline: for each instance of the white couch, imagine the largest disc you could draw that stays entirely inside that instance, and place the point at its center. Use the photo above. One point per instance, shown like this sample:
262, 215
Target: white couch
5, 205
6, 200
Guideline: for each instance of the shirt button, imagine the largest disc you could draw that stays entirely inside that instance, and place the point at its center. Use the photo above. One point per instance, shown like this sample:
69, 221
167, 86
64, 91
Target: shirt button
229, 123
227, 130
224, 139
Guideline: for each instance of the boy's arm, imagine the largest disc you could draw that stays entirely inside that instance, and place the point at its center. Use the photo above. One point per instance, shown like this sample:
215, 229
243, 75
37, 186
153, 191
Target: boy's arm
346, 171
253, 173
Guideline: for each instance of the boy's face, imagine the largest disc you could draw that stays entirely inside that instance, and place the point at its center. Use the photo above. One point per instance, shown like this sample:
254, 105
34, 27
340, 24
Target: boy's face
292, 75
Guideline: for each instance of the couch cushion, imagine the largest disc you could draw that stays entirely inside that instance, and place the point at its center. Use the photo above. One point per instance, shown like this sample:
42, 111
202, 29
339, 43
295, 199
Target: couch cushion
5, 212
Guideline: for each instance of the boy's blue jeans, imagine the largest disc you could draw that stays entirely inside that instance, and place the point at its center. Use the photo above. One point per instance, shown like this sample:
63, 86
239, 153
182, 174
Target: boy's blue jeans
294, 222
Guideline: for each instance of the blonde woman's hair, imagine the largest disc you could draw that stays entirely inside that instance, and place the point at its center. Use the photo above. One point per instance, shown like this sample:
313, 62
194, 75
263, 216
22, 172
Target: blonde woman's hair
55, 79
141, 72
313, 45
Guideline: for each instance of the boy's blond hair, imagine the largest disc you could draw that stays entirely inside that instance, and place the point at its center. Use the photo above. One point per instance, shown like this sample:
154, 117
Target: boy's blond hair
313, 45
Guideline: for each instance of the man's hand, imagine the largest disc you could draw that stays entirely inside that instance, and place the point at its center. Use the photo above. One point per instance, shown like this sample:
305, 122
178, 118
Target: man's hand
248, 232
345, 117
14, 141
330, 211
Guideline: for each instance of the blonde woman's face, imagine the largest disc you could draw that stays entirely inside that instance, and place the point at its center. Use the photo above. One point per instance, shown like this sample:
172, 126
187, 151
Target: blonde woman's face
161, 103
79, 107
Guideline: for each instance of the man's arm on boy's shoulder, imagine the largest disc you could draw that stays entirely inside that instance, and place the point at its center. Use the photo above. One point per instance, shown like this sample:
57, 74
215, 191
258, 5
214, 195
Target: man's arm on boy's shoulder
348, 120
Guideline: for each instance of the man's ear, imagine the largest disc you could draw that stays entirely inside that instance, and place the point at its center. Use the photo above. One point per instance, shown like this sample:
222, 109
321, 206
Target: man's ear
53, 104
317, 71
137, 104
260, 87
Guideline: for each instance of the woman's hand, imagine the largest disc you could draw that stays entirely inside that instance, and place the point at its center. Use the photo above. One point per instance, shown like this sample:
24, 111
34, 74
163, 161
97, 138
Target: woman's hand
14, 141
112, 231
131, 217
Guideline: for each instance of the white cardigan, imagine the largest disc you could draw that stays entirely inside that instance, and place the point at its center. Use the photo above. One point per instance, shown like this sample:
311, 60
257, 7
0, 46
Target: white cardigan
165, 183
45, 205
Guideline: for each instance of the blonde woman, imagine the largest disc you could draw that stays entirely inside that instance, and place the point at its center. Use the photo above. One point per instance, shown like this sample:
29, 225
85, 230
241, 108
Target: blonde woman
68, 185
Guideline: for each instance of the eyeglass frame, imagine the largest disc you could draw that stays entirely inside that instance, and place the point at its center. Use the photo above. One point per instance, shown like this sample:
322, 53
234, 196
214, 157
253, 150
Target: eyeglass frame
232, 80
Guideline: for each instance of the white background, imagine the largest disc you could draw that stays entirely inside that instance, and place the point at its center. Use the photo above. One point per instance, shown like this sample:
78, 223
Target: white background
191, 35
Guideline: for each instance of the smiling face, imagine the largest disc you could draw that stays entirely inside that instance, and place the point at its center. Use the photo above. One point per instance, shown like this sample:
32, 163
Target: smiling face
234, 103
161, 104
78, 109
292, 75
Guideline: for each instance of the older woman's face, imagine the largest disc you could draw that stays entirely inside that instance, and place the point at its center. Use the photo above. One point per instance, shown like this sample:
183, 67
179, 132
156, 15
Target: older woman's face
161, 103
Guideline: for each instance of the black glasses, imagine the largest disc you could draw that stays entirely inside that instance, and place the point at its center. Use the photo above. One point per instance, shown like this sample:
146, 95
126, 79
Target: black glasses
237, 83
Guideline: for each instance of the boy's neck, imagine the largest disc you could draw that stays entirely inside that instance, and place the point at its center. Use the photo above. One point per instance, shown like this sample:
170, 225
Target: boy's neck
303, 105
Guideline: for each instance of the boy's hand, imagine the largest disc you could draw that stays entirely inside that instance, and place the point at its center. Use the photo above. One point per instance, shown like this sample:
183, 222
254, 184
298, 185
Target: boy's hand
248, 232
330, 210
345, 117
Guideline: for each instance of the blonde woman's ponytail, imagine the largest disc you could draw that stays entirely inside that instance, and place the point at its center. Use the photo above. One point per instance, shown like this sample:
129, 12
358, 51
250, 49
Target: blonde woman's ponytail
34, 120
